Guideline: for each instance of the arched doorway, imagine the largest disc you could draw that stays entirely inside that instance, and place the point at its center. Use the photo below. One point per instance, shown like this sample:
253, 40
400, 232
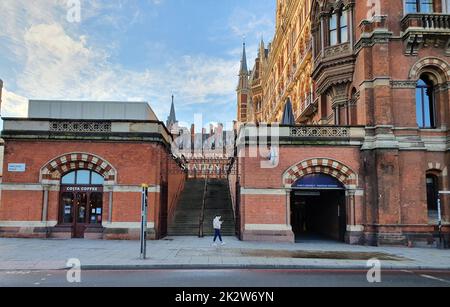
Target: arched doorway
81, 201
318, 208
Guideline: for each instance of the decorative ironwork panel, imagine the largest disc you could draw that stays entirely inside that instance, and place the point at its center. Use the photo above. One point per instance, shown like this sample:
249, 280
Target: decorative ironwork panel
80, 126
320, 132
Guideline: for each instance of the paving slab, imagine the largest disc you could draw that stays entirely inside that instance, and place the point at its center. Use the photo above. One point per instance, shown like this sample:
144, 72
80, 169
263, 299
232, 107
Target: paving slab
192, 252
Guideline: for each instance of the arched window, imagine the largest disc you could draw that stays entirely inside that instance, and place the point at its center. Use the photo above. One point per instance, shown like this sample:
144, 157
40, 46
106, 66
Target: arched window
419, 6
425, 104
82, 177
432, 195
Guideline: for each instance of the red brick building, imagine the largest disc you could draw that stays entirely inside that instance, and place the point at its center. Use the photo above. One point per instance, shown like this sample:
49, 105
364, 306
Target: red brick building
372, 152
82, 177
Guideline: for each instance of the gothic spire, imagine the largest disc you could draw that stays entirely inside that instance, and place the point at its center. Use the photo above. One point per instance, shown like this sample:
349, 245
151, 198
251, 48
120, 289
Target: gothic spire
172, 119
244, 69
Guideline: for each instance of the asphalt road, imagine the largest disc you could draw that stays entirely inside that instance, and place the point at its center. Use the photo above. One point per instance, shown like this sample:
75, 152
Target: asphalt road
223, 278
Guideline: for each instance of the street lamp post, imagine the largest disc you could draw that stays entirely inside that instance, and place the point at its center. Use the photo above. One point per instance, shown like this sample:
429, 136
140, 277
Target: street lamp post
144, 211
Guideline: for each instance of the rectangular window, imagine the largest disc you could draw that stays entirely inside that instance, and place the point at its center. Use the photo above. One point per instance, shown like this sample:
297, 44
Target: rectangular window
333, 30
344, 27
419, 6
426, 6
411, 6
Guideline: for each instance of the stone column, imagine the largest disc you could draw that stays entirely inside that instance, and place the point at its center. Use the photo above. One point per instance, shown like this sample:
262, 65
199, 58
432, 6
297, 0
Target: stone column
322, 34
350, 200
351, 26
288, 207
46, 189
109, 189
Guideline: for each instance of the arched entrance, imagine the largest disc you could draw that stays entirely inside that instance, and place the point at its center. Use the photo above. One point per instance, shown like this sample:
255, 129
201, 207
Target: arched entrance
318, 208
81, 201
321, 199
82, 179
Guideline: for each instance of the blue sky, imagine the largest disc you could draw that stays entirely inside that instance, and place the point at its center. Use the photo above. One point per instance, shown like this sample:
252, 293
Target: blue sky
142, 50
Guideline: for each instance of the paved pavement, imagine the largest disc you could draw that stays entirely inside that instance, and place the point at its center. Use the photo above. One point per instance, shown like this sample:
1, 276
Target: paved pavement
221, 279
191, 252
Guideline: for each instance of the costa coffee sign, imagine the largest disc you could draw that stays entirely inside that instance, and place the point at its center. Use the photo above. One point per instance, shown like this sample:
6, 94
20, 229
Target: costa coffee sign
82, 189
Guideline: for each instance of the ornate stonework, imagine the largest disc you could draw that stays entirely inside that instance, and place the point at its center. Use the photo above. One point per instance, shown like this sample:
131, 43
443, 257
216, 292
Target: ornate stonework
80, 126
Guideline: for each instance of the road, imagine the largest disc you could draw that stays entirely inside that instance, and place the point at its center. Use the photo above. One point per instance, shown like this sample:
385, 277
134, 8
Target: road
223, 278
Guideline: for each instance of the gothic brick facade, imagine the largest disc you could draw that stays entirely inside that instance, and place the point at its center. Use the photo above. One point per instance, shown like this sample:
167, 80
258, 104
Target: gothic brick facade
381, 70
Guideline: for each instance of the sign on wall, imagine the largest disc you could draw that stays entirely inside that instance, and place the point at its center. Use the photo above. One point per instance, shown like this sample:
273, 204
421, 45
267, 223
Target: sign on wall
81, 189
318, 181
16, 167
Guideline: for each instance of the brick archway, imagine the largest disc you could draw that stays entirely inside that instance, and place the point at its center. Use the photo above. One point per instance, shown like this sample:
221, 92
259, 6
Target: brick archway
442, 66
330, 167
52, 171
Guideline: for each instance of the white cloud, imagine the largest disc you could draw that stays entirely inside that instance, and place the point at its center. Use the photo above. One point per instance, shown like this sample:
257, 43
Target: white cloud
13, 105
245, 23
58, 64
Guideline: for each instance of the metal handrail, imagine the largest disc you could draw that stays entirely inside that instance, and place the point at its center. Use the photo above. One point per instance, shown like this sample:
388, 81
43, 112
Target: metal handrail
202, 213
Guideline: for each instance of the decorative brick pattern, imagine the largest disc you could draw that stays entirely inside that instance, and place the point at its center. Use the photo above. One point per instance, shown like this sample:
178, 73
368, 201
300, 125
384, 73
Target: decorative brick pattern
54, 169
325, 166
430, 61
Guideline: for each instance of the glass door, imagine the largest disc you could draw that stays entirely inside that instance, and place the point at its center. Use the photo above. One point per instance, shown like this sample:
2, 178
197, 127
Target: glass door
81, 210
67, 207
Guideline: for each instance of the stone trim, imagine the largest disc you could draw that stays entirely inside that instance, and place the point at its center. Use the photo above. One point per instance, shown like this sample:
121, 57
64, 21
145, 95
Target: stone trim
327, 166
28, 224
80, 126
56, 187
403, 84
54, 169
370, 84
415, 71
268, 227
355, 228
27, 187
133, 188
439, 167
250, 191
127, 225
320, 132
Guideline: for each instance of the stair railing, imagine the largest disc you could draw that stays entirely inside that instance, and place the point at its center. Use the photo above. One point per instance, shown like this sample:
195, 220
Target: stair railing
202, 212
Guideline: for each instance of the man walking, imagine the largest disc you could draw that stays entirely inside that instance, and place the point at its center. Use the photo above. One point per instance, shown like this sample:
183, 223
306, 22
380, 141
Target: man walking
217, 224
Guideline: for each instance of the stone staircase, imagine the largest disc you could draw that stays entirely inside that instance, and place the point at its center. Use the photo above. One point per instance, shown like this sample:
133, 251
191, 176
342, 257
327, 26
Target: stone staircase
218, 202
188, 211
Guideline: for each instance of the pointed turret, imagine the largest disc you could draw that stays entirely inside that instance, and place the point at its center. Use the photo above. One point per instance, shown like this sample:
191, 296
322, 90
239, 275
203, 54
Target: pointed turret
243, 72
244, 69
243, 89
262, 48
172, 119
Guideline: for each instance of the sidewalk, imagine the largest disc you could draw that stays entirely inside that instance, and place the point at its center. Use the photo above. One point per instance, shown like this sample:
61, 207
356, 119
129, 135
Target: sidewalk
195, 253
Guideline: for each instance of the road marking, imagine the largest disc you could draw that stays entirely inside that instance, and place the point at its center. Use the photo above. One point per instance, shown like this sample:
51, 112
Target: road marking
435, 278
407, 271
18, 272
